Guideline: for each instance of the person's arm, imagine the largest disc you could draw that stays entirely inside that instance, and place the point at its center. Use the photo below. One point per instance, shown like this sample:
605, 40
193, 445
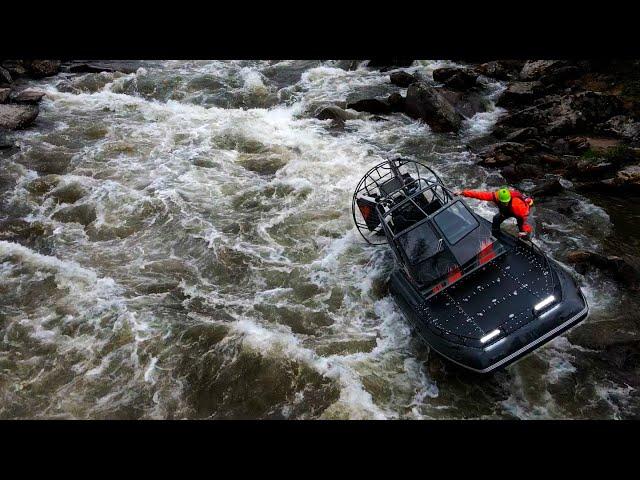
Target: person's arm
477, 194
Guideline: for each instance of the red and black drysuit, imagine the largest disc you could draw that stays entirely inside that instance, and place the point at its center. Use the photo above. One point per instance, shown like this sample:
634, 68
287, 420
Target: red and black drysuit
518, 208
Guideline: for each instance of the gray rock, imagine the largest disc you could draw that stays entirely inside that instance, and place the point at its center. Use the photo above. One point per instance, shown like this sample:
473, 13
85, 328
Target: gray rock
517, 172
619, 268
427, 103
4, 94
43, 68
584, 169
337, 115
456, 78
534, 69
83, 214
89, 66
371, 105
547, 189
522, 134
575, 113
68, 193
29, 96
466, 104
560, 75
503, 153
628, 178
396, 102
348, 64
334, 112
5, 142
15, 67
519, 93
5, 76
402, 79
14, 117
501, 69
389, 64
623, 127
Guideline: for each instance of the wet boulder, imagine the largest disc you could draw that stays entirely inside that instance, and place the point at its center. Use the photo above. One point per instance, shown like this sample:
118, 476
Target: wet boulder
20, 230
348, 65
578, 144
503, 153
522, 134
517, 172
4, 94
606, 333
587, 169
29, 96
559, 76
396, 102
5, 76
552, 161
371, 105
534, 69
15, 68
267, 163
5, 142
32, 68
337, 115
68, 193
14, 117
456, 78
547, 189
42, 185
466, 104
595, 107
83, 214
626, 180
43, 68
385, 65
519, 94
501, 69
619, 268
402, 79
88, 66
427, 103
622, 126
569, 114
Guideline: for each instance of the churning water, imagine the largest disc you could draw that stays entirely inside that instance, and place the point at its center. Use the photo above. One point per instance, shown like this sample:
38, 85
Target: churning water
190, 253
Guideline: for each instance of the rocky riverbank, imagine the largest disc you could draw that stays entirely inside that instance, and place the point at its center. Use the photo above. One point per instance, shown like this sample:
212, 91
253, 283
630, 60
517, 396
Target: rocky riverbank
568, 125
19, 103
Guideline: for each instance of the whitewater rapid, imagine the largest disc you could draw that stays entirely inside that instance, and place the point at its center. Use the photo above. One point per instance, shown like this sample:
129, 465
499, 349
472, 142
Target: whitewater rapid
198, 257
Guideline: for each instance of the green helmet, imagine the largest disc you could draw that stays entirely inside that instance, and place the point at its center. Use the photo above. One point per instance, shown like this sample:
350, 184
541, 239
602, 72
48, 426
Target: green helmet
504, 195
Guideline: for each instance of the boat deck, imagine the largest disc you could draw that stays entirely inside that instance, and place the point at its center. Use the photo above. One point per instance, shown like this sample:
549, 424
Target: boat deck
500, 294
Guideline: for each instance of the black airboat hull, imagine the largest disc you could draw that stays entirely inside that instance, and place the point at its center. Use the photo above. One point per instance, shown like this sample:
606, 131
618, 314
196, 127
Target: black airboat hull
519, 337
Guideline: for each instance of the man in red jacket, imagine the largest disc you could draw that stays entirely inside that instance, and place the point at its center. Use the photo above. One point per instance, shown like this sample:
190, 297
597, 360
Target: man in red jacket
510, 203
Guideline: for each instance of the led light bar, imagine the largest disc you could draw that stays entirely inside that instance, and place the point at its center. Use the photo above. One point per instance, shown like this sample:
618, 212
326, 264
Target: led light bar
494, 344
489, 336
544, 303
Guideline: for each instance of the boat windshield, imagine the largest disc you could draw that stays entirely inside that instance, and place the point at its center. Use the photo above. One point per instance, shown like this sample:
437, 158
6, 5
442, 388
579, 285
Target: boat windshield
456, 222
420, 243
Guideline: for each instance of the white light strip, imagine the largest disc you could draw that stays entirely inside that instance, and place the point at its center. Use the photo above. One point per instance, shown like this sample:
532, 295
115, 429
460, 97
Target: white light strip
489, 336
544, 303
495, 344
549, 311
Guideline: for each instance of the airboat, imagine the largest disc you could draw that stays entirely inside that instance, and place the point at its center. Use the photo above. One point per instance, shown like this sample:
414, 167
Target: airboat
481, 300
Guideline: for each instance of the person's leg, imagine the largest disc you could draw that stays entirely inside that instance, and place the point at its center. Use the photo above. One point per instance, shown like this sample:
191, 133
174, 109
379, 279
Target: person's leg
498, 218
520, 224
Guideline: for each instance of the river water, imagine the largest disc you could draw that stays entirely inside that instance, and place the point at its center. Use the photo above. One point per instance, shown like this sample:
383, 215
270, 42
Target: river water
191, 254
